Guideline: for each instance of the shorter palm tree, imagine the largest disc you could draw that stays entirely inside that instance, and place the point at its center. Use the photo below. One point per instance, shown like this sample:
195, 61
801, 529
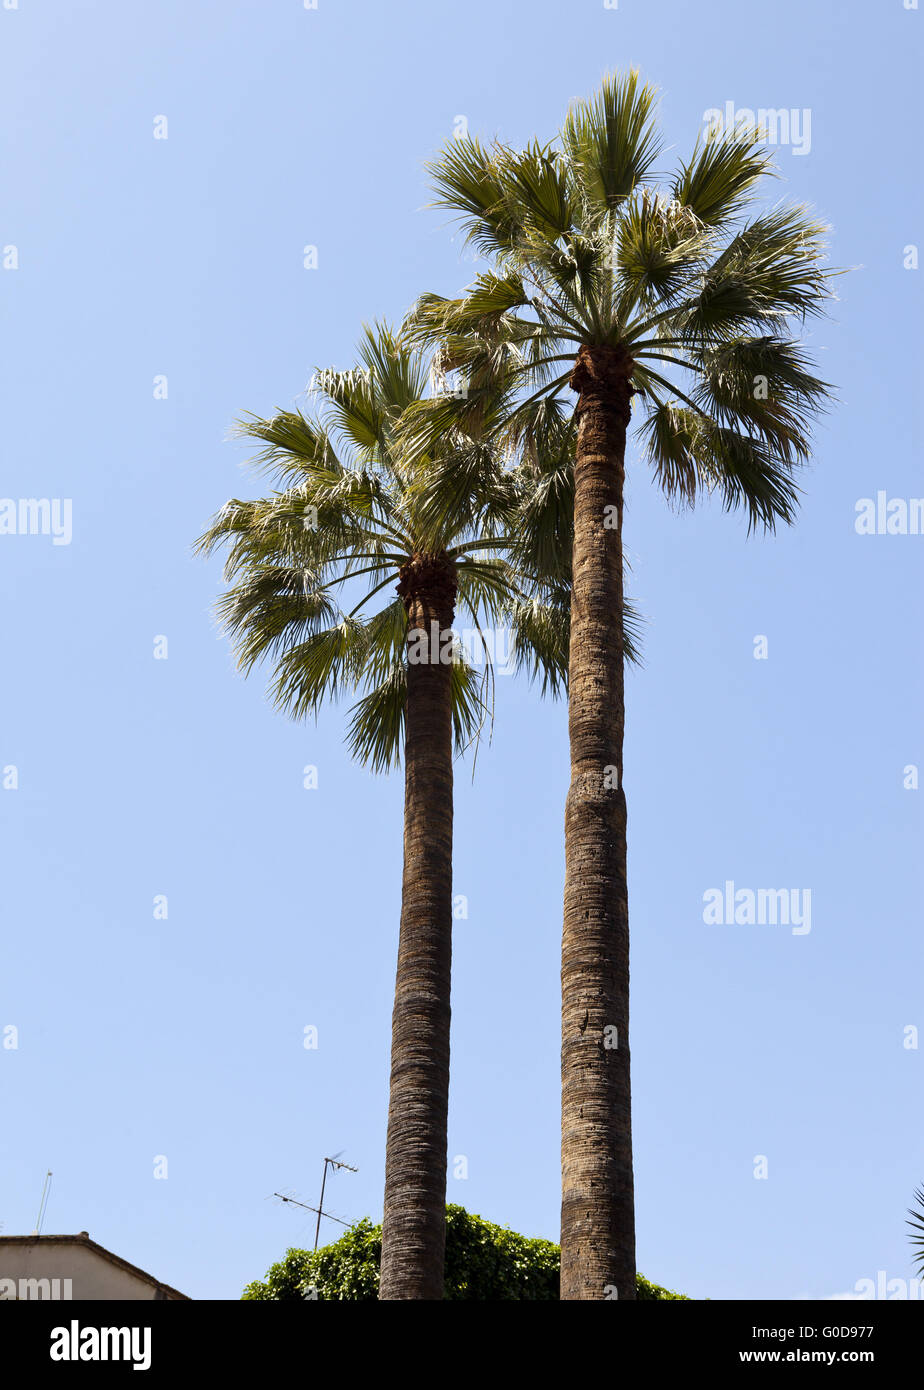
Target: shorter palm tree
357, 512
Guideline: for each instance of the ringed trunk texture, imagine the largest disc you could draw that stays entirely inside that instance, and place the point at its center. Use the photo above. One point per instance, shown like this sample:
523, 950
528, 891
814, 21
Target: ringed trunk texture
414, 1227
598, 1209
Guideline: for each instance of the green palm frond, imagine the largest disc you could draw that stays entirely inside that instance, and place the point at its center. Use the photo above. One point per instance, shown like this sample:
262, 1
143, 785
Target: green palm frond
740, 367
717, 179
491, 296
661, 245
486, 585
471, 183
541, 632
469, 710
293, 443
669, 438
385, 636
611, 141
633, 625
376, 733
319, 668
770, 271
758, 384
691, 455
751, 476
271, 607
399, 374
545, 532
536, 184
916, 1213
453, 493
352, 407
305, 529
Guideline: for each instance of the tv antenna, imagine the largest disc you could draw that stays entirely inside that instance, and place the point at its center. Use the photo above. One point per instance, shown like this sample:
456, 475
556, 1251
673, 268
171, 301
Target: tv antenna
319, 1209
42, 1205
334, 1163
293, 1201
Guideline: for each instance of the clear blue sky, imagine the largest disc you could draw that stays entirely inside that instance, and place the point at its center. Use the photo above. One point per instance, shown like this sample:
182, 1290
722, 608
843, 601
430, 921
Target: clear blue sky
141, 1037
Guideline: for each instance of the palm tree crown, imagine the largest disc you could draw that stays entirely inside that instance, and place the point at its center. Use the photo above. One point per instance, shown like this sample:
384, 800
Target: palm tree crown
354, 515
687, 298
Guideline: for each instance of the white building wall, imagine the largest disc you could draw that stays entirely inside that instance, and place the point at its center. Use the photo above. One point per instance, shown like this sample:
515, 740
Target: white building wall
80, 1271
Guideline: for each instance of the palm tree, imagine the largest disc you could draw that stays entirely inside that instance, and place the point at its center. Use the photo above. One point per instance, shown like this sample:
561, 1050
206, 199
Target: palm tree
351, 515
671, 309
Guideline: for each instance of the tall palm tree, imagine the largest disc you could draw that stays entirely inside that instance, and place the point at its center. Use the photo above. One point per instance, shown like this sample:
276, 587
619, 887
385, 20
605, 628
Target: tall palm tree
670, 308
351, 515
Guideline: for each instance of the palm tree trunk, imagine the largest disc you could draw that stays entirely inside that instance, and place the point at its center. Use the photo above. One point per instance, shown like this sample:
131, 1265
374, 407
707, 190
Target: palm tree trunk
414, 1227
597, 1213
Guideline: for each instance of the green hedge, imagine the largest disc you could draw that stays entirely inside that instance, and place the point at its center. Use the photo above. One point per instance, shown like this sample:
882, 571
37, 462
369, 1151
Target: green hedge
483, 1261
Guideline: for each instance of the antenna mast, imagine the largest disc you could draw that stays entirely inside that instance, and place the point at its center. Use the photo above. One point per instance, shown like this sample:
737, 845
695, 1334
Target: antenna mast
334, 1163
42, 1205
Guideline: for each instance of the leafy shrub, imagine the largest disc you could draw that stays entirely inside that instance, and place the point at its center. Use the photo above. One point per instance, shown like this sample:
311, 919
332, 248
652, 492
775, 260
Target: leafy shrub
483, 1261
645, 1289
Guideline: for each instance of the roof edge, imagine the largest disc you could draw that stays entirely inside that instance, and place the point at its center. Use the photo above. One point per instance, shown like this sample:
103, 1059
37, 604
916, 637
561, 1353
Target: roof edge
83, 1239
